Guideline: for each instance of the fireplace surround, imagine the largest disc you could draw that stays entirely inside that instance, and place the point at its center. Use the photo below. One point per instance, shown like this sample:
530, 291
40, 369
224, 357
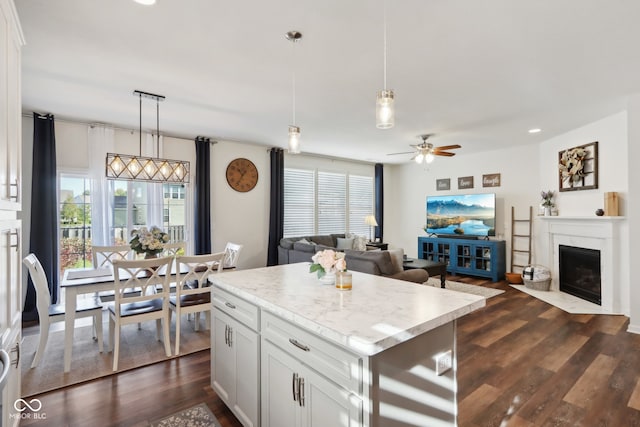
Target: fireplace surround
596, 233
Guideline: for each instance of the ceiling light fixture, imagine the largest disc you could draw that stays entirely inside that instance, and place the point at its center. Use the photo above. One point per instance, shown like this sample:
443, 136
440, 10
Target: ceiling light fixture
294, 131
535, 130
425, 153
146, 2
385, 115
138, 168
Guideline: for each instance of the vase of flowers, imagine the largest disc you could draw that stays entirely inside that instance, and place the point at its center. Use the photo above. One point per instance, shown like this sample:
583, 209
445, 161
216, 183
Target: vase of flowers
326, 264
547, 201
148, 241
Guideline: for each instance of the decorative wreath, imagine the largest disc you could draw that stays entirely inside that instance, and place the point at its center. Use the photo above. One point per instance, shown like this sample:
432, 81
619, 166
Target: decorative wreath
572, 165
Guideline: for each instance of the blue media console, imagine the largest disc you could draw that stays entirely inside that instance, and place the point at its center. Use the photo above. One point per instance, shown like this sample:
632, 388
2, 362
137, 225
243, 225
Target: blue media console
484, 258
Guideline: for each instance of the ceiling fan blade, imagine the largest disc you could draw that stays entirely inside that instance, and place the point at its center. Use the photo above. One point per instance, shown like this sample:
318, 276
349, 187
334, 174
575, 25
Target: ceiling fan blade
443, 153
447, 147
405, 152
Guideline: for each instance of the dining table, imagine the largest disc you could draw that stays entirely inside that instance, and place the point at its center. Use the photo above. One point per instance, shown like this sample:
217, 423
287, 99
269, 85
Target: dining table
79, 281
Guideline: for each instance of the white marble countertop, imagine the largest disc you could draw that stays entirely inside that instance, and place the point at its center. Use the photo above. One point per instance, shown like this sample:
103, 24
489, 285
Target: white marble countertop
376, 314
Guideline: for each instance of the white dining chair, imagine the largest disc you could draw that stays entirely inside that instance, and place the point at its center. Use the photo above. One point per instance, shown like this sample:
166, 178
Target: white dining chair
49, 313
193, 294
174, 249
151, 304
231, 255
103, 256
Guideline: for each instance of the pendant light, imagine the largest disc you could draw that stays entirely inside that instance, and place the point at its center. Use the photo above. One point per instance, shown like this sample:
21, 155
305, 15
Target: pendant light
385, 115
138, 168
294, 131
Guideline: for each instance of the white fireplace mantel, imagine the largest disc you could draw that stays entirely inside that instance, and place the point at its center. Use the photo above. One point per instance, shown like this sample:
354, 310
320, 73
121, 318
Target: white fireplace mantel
593, 232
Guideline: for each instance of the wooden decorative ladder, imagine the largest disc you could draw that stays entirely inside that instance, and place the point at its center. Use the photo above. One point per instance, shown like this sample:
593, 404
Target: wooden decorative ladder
519, 236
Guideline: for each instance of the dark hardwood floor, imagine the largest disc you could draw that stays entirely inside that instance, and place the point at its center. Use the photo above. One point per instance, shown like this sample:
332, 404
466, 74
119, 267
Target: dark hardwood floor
521, 362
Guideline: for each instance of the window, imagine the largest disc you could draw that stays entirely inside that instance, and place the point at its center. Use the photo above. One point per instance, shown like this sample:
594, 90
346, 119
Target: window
318, 202
135, 205
74, 221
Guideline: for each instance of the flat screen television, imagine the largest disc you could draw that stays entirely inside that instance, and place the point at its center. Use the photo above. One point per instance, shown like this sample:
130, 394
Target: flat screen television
462, 215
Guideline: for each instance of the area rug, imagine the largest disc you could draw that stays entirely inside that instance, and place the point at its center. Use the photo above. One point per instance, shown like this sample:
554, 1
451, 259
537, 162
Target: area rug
196, 416
137, 348
464, 287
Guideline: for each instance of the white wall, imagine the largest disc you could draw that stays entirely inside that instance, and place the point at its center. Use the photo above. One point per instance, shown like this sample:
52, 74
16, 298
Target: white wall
612, 136
407, 186
633, 205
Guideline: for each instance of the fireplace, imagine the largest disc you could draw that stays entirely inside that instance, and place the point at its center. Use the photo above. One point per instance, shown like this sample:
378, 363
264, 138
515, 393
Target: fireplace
580, 273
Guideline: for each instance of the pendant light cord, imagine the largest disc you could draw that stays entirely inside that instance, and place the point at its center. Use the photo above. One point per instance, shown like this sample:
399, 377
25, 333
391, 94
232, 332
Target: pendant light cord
293, 80
157, 127
140, 137
384, 54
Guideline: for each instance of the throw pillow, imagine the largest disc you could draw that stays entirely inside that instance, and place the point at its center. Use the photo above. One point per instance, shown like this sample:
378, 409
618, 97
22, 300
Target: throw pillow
397, 256
359, 242
344, 243
305, 241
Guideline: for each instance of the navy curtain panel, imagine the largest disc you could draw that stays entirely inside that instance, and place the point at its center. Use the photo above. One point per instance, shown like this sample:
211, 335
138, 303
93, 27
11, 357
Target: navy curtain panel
276, 204
43, 240
202, 224
379, 195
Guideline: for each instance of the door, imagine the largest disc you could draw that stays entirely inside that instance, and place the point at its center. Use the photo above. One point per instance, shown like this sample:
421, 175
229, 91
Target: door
327, 404
280, 386
223, 364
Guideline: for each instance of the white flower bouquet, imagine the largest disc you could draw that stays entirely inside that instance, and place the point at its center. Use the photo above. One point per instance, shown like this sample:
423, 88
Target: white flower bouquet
327, 261
148, 241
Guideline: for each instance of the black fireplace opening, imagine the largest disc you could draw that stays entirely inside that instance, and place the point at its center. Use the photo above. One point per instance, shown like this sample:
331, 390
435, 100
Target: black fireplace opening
580, 273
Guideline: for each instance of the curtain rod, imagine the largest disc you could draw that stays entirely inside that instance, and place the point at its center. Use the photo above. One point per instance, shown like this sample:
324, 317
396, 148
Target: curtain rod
80, 122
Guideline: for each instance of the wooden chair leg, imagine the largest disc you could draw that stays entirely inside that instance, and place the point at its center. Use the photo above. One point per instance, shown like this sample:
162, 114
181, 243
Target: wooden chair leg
97, 325
178, 316
42, 343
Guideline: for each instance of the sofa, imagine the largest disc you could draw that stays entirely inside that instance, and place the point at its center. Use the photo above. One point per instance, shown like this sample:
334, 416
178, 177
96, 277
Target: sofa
386, 263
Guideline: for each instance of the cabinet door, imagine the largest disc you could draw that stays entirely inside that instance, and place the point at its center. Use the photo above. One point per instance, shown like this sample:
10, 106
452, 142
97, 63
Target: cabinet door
11, 393
279, 374
327, 404
235, 367
10, 278
246, 346
223, 364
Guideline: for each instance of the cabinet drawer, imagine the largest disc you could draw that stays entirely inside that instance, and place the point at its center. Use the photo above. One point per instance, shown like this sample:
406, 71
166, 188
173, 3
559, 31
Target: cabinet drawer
335, 363
241, 310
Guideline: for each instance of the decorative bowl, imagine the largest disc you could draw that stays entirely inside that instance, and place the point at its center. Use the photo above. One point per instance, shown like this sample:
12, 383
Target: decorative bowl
514, 278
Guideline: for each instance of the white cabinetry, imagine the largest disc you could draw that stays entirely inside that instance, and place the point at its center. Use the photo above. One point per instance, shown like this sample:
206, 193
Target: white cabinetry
11, 41
235, 356
311, 399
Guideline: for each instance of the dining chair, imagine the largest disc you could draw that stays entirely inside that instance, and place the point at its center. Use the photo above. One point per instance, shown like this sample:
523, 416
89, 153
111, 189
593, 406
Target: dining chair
151, 304
174, 249
49, 313
192, 288
103, 256
231, 255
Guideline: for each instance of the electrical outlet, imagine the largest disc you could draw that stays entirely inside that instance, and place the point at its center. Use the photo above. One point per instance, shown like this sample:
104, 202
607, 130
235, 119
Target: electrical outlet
444, 362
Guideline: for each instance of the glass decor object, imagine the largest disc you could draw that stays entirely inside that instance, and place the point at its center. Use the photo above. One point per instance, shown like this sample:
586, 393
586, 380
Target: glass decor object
344, 280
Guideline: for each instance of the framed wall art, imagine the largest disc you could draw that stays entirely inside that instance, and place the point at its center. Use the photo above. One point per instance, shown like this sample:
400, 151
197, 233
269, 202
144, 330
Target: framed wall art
578, 168
443, 184
465, 182
491, 180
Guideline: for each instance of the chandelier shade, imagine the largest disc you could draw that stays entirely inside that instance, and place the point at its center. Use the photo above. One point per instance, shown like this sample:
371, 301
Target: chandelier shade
139, 168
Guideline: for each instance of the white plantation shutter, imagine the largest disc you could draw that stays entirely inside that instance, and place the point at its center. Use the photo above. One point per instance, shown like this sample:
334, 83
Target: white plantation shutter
332, 202
360, 203
299, 202
317, 202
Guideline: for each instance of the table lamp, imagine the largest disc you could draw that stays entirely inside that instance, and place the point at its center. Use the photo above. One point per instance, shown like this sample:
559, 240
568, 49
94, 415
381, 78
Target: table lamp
370, 220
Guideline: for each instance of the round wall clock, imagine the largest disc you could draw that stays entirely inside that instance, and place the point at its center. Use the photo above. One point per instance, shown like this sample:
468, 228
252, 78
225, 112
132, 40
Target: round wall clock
242, 175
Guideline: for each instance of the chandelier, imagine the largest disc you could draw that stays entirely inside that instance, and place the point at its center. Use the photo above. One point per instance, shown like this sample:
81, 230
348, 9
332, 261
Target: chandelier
139, 168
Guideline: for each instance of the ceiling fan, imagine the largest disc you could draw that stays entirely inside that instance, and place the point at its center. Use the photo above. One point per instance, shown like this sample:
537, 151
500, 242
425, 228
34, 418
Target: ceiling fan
426, 151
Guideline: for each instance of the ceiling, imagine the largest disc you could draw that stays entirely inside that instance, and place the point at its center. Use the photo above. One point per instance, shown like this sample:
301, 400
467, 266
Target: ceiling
475, 73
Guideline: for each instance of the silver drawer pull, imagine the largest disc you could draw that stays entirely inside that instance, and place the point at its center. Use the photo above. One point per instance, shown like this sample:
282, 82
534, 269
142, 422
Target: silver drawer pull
301, 391
228, 304
300, 346
11, 196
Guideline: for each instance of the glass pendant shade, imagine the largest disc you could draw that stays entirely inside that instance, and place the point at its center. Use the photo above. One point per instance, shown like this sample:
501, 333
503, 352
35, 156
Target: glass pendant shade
385, 115
419, 158
294, 140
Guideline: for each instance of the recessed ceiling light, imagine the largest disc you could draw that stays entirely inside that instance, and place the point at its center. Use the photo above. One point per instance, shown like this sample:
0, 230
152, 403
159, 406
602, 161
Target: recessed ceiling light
146, 2
535, 130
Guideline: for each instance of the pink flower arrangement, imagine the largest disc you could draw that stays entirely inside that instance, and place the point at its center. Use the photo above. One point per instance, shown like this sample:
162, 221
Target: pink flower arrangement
327, 261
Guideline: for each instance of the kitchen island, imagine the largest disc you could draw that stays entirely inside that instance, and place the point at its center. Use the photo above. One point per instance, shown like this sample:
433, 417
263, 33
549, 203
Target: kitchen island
289, 351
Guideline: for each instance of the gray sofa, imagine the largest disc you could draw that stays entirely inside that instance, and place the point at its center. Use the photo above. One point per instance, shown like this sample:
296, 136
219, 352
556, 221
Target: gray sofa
381, 263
